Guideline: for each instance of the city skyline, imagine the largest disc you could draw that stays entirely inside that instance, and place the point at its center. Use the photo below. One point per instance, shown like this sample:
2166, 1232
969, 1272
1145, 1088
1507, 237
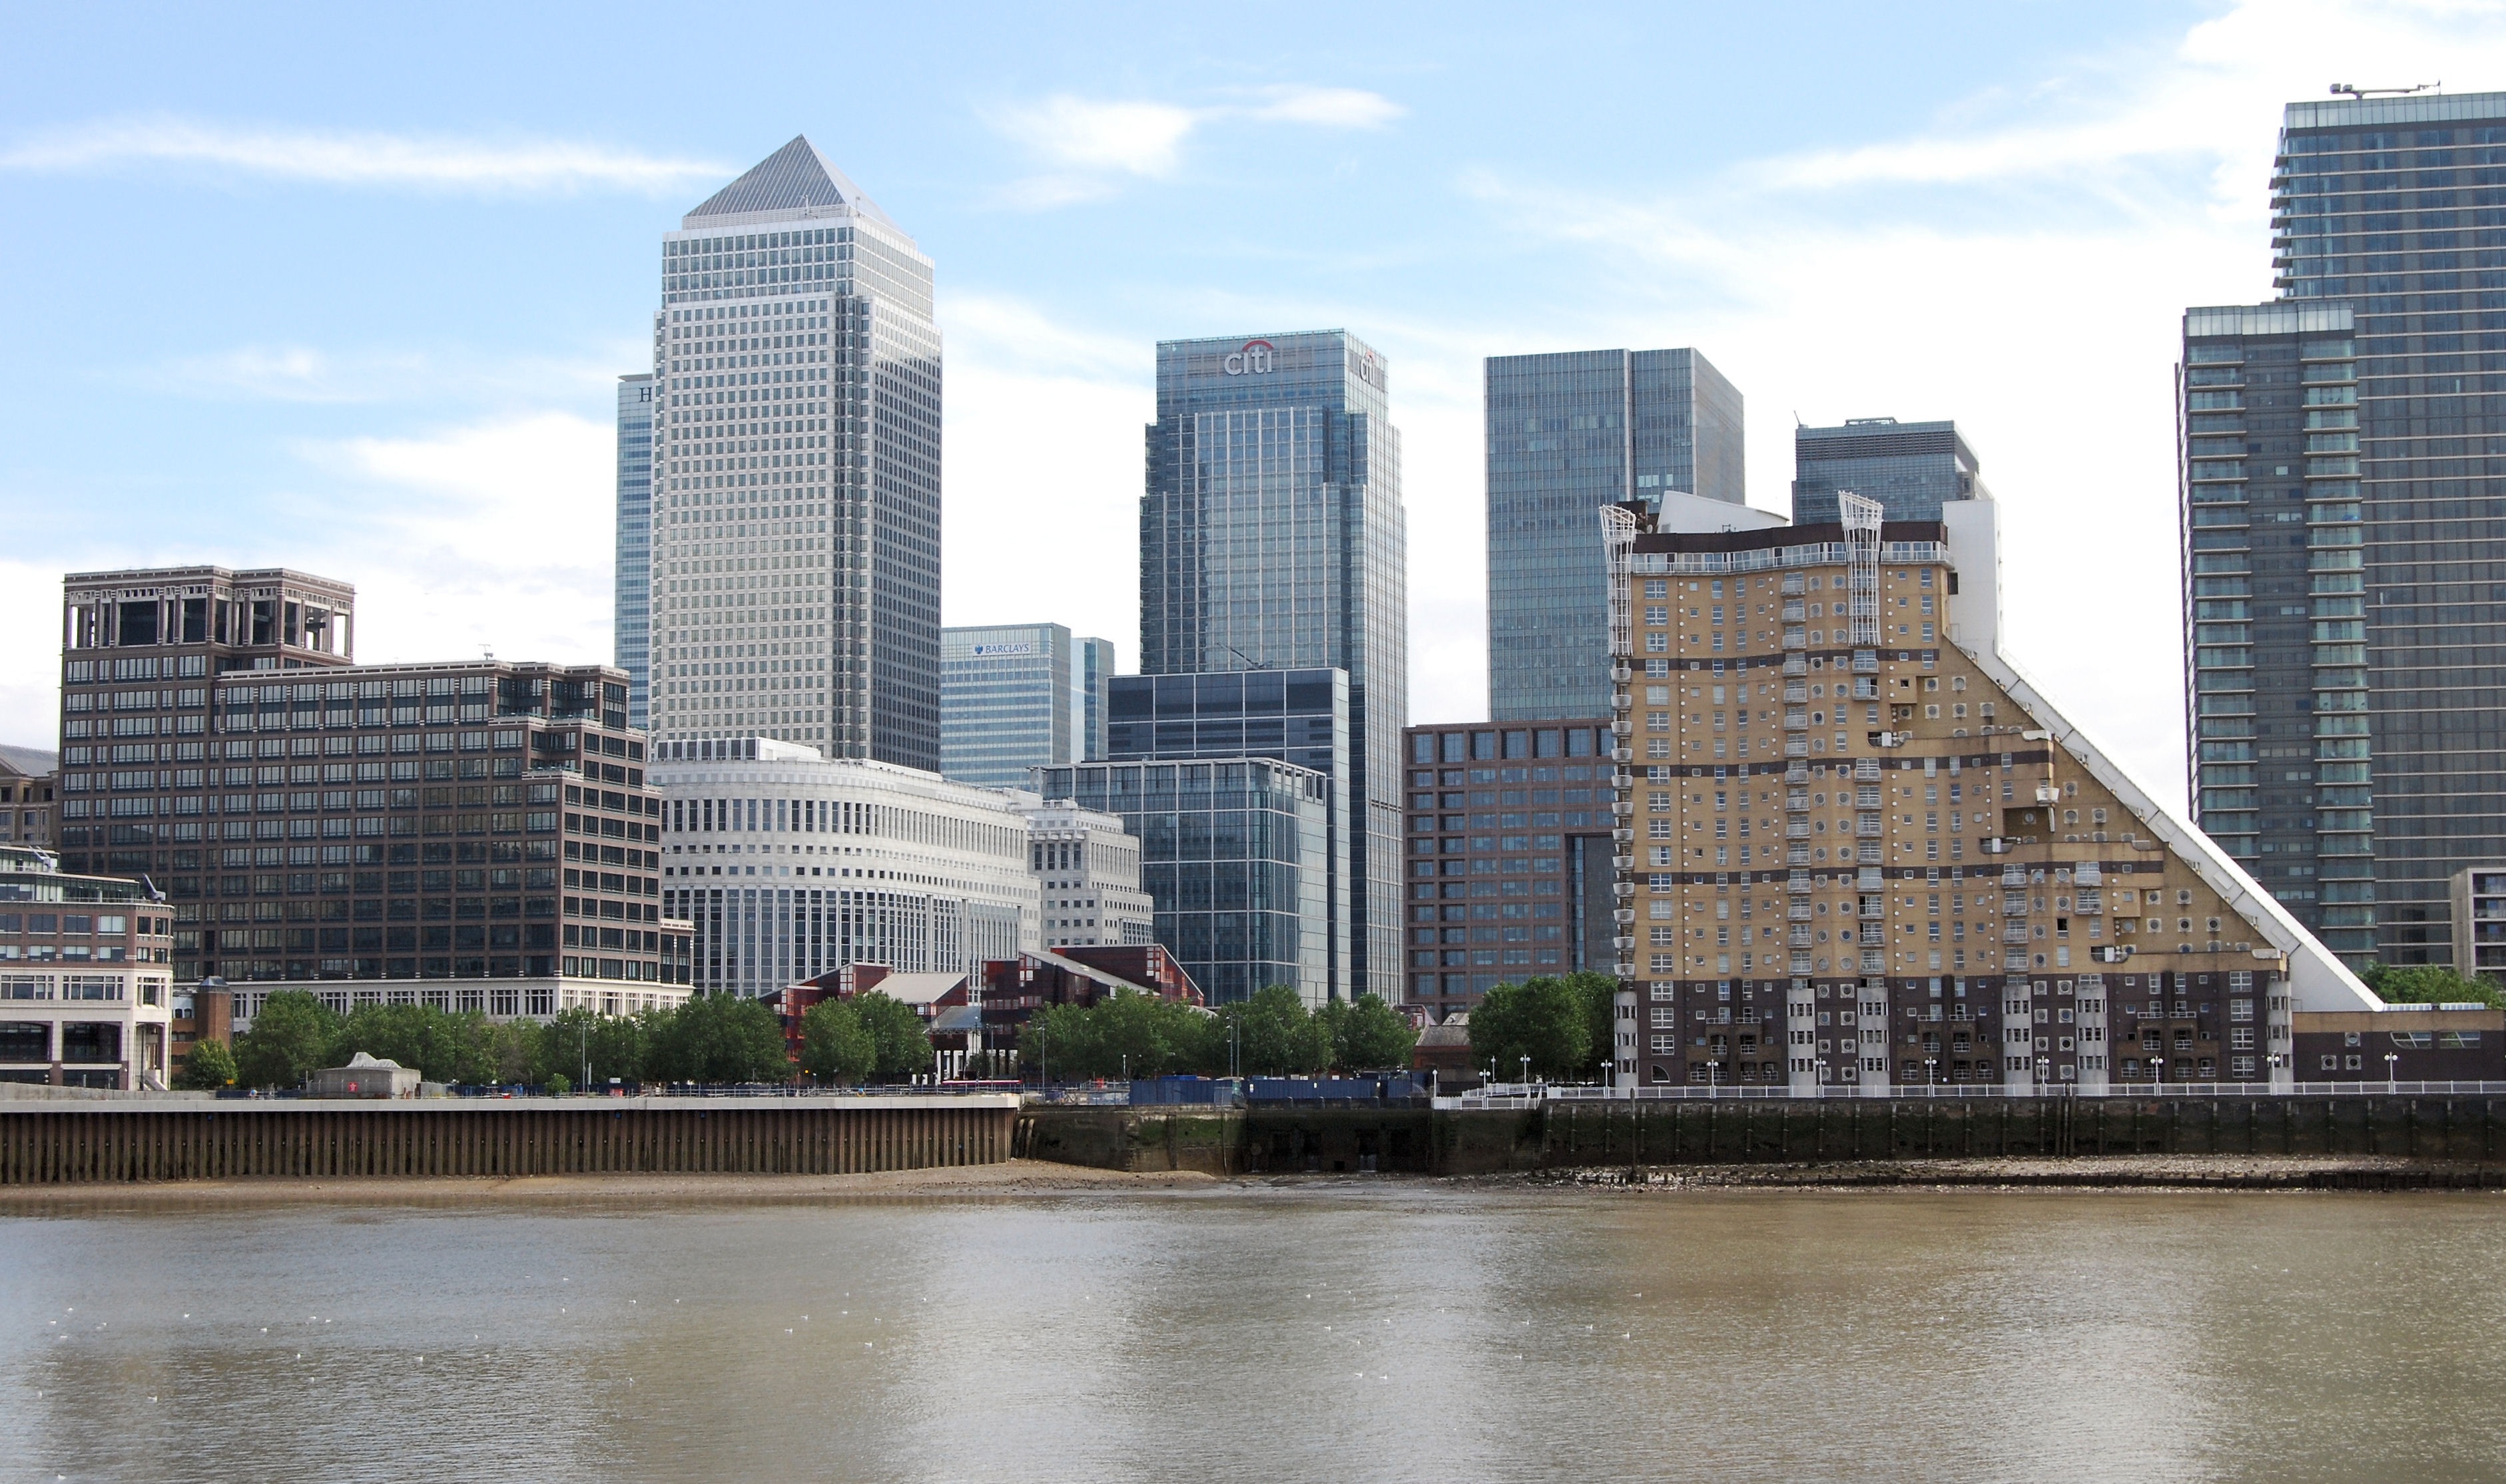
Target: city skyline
483, 430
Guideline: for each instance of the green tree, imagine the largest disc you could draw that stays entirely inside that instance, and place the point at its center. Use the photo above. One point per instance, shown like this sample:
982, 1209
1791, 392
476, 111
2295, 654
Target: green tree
1545, 1020
903, 1047
2430, 984
1276, 1034
1599, 994
1367, 1034
513, 1051
834, 1045
1128, 1032
717, 1039
208, 1067
442, 1047
293, 1034
616, 1045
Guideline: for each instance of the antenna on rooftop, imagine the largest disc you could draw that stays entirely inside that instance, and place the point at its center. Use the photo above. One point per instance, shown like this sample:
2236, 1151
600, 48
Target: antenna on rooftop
2353, 89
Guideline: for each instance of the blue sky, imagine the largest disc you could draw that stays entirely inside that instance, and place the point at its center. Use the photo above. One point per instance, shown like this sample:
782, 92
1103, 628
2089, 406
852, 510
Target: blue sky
348, 291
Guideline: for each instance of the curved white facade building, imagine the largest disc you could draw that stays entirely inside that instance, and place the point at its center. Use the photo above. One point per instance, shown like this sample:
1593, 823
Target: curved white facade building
791, 864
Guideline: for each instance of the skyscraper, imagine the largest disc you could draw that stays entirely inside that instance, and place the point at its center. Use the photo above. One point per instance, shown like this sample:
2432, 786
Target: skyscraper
1272, 535
1912, 469
632, 621
1096, 673
1567, 434
797, 538
1015, 696
2342, 522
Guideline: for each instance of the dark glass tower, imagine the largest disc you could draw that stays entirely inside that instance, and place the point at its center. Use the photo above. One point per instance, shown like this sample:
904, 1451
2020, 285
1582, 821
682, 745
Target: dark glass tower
1911, 468
2345, 527
1271, 535
1568, 433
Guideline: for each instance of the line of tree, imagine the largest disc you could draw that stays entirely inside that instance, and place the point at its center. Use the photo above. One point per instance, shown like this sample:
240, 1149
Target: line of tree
1562, 1026
709, 1038
1270, 1035
2430, 984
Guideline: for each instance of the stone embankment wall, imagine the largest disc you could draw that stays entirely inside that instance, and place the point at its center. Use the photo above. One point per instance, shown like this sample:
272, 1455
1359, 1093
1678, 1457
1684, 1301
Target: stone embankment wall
195, 1140
1567, 1135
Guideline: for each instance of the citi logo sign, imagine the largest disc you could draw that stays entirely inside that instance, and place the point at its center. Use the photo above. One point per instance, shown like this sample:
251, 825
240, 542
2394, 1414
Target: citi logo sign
1253, 360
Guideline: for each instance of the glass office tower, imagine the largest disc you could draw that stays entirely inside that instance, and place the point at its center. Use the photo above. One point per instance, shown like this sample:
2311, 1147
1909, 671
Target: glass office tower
2345, 738
1015, 696
1293, 715
632, 620
1227, 853
1911, 468
1568, 433
1271, 535
797, 540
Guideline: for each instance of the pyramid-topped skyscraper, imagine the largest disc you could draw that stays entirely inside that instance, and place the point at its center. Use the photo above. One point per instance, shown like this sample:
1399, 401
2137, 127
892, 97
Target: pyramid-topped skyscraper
795, 519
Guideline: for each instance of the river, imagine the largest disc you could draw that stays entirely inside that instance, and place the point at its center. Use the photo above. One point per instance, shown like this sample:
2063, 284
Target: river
1303, 1331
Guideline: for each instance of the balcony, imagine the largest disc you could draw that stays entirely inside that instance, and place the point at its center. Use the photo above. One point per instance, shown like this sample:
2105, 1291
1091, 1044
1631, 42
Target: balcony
2014, 876
1866, 770
1796, 855
1796, 695
1622, 728
2014, 933
1796, 829
1797, 801
1799, 884
1866, 661
1795, 613
1796, 639
1801, 937
1799, 911
1796, 664
1797, 774
2088, 873
1801, 964
1796, 720
1867, 826
1620, 675
1796, 747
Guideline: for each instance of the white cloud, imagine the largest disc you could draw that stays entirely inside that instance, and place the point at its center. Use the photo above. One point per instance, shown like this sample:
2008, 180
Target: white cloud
309, 374
1329, 107
357, 157
2024, 277
491, 535
1085, 134
1090, 143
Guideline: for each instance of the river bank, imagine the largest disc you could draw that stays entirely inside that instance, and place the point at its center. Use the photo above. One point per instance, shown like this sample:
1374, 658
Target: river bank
1020, 1178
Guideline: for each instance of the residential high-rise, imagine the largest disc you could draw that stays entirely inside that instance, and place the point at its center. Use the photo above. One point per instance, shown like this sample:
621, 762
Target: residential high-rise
1861, 851
1015, 696
1568, 432
633, 621
2342, 520
1912, 469
1271, 535
1510, 856
797, 530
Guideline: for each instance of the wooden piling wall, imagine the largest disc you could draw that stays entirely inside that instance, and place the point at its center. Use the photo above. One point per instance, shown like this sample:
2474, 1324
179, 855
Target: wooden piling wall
67, 1143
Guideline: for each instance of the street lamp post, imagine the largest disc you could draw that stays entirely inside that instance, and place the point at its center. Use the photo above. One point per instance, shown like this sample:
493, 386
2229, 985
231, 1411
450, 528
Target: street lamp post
1929, 1081
2044, 1065
2392, 1072
2158, 1074
1526, 1070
